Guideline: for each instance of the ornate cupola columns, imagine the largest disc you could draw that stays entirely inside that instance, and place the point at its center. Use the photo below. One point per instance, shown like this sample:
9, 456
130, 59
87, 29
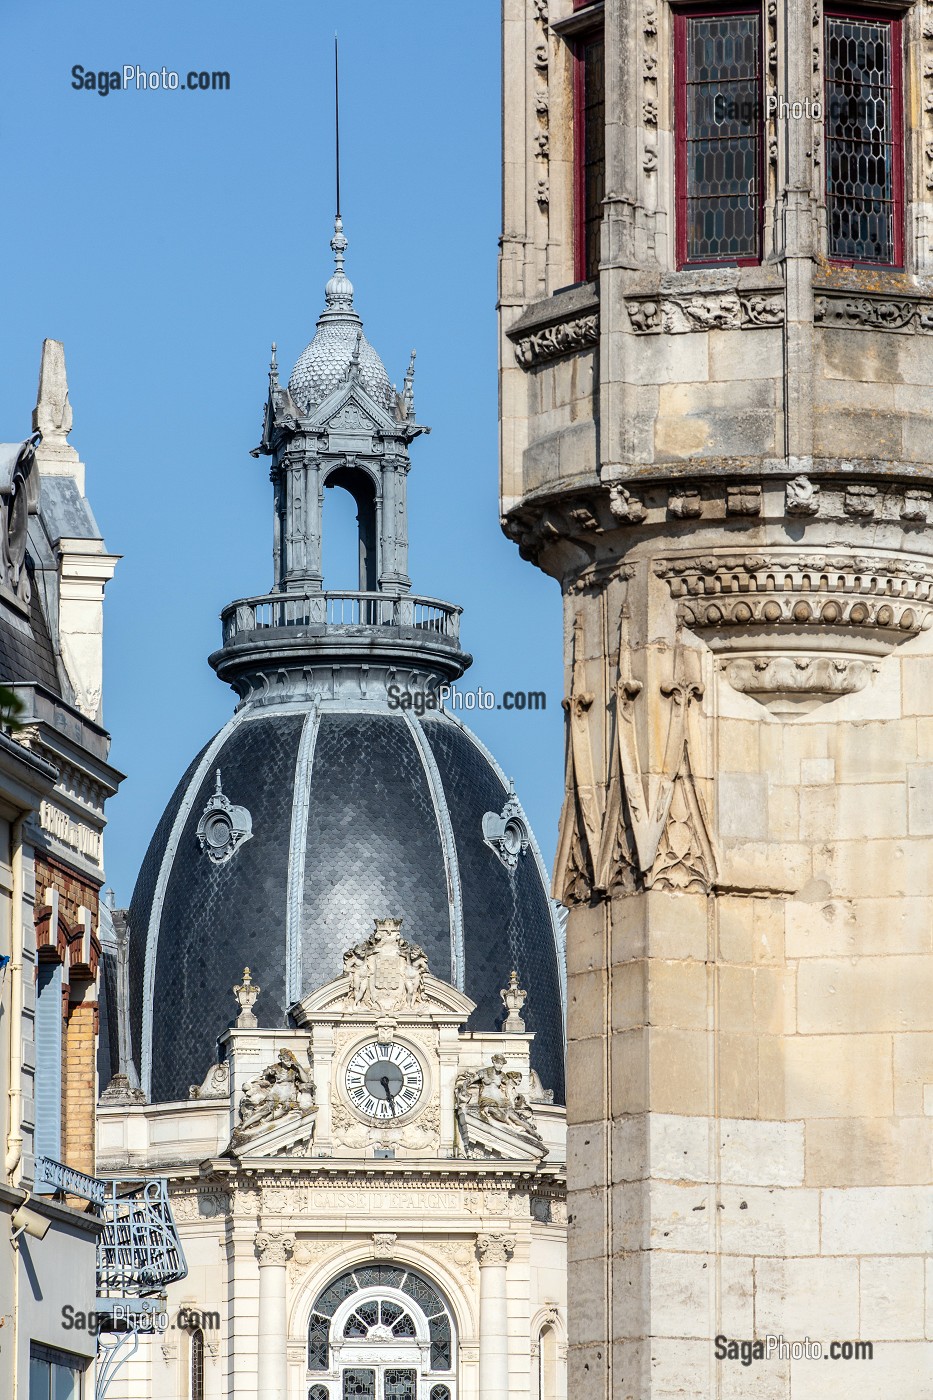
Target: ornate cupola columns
339, 425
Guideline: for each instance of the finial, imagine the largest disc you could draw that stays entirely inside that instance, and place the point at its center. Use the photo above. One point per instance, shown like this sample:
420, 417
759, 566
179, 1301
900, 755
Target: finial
513, 999
274, 368
246, 993
218, 792
353, 369
408, 390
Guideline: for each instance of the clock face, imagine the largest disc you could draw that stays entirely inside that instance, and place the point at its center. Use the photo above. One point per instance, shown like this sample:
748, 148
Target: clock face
384, 1081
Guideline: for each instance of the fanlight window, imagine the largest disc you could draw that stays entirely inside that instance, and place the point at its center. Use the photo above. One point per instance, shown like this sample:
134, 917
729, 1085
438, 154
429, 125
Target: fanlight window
395, 1309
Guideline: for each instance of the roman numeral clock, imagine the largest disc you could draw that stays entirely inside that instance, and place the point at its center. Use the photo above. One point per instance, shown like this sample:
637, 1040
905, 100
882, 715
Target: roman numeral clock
383, 1082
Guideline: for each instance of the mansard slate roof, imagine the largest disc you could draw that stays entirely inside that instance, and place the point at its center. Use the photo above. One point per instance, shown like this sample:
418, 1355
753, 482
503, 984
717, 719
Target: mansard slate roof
392, 827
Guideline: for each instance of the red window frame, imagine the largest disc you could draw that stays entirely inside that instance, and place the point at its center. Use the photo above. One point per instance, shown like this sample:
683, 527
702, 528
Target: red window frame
582, 272
681, 17
896, 25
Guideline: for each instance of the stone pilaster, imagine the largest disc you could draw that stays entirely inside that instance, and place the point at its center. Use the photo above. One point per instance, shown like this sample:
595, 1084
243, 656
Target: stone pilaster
494, 1253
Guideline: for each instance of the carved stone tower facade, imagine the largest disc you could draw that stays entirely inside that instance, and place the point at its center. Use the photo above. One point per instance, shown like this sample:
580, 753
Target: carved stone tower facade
716, 309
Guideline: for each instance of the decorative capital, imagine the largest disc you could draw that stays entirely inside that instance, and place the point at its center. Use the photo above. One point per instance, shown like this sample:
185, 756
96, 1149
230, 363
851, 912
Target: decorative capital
274, 1249
513, 999
246, 993
494, 1250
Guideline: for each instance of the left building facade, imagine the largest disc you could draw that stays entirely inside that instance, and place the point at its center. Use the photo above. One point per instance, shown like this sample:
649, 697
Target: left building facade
55, 779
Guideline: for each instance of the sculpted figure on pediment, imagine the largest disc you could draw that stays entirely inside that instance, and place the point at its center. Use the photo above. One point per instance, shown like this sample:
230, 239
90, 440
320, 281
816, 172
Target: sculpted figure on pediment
386, 972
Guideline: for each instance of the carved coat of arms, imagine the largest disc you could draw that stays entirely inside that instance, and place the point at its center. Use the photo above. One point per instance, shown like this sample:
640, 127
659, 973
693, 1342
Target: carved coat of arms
386, 972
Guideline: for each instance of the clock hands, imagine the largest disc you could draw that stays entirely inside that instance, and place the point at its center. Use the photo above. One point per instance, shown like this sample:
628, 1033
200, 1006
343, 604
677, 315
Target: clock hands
384, 1081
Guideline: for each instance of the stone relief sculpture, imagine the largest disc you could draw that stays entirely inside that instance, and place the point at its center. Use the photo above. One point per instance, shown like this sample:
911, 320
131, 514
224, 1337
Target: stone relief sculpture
493, 1094
283, 1090
386, 972
581, 818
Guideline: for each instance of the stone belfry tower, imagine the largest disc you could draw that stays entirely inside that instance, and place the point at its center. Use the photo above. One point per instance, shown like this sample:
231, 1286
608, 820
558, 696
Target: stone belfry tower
716, 309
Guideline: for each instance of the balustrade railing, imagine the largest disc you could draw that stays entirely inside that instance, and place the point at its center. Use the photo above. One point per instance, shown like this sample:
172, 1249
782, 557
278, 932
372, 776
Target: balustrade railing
339, 611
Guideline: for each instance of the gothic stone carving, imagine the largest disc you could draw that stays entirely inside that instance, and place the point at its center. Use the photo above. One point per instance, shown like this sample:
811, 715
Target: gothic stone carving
908, 315
283, 1090
802, 628
581, 817
655, 828
563, 339
386, 972
730, 310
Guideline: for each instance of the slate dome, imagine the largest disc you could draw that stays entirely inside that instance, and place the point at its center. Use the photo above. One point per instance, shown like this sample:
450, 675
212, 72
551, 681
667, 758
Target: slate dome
355, 814
326, 802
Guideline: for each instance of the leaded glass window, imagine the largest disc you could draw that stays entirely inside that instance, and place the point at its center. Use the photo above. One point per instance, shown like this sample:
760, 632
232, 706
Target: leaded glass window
590, 151
197, 1364
359, 1384
862, 125
720, 130
340, 1320
318, 1392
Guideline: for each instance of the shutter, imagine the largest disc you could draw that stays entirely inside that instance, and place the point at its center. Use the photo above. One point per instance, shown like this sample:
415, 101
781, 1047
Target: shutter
48, 1141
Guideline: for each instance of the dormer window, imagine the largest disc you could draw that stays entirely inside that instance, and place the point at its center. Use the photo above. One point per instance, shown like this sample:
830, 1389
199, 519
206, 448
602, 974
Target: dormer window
864, 141
717, 64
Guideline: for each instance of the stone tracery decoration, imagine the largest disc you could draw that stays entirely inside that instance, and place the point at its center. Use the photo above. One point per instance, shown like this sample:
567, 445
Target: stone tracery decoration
386, 972
581, 816
656, 829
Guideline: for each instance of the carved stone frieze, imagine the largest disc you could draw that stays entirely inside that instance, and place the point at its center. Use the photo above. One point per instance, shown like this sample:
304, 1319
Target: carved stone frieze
801, 496
729, 310
905, 314
567, 337
795, 629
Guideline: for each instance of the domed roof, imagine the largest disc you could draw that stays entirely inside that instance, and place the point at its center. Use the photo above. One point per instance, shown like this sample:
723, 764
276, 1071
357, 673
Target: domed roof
324, 817
324, 364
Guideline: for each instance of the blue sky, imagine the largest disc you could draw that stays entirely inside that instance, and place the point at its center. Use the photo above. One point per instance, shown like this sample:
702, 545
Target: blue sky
168, 237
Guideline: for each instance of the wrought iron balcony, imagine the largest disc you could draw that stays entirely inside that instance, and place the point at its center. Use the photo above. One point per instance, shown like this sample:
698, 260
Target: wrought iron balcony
335, 613
139, 1252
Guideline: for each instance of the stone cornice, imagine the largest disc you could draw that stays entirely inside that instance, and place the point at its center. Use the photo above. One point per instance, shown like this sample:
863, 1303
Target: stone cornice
560, 325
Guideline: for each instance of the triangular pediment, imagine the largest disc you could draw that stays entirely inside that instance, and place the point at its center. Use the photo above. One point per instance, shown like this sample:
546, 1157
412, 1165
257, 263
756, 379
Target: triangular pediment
385, 977
348, 401
290, 1138
481, 1138
438, 1001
